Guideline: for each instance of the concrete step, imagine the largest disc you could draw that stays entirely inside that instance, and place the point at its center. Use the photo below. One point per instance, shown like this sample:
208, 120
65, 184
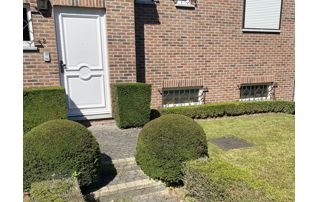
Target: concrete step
120, 163
128, 190
160, 196
98, 122
125, 181
122, 171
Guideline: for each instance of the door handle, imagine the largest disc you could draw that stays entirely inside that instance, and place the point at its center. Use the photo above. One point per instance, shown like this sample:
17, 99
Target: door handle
62, 66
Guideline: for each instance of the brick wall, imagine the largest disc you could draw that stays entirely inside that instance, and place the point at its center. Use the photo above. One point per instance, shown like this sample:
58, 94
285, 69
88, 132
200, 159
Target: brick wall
36, 72
208, 43
151, 44
120, 34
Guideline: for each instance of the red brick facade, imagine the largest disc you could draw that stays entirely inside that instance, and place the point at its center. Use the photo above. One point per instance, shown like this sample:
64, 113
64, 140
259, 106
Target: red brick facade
120, 34
208, 43
160, 44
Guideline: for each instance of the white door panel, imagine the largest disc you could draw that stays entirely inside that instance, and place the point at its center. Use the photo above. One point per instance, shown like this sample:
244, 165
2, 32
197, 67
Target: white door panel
83, 38
81, 44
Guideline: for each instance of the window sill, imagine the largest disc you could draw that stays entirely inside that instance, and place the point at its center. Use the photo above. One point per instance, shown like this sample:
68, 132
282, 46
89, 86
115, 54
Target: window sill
181, 104
30, 48
261, 30
185, 5
255, 99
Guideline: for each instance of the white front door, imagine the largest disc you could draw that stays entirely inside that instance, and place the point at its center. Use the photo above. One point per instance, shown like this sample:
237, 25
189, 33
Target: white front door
81, 42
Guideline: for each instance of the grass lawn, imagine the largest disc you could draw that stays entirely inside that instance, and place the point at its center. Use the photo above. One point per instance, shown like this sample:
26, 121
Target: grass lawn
271, 159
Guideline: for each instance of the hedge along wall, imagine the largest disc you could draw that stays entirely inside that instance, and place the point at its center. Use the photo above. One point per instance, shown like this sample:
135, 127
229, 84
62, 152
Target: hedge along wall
213, 110
131, 104
42, 104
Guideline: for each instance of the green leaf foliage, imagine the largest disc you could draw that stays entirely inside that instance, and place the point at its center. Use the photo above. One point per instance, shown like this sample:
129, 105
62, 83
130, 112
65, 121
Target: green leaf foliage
165, 143
271, 158
131, 104
59, 148
58, 190
42, 104
213, 110
217, 180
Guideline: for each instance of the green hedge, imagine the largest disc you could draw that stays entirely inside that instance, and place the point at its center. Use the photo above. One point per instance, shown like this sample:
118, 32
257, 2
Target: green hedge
216, 180
43, 104
164, 144
60, 148
59, 190
213, 110
131, 104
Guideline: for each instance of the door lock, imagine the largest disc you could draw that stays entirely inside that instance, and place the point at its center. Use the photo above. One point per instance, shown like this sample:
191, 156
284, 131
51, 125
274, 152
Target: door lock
62, 66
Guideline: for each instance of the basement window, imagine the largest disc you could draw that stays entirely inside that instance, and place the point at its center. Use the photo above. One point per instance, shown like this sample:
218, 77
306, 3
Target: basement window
28, 40
254, 92
182, 96
262, 15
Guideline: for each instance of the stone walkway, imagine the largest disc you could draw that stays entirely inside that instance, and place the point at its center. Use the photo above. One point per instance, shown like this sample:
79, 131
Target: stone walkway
122, 179
116, 143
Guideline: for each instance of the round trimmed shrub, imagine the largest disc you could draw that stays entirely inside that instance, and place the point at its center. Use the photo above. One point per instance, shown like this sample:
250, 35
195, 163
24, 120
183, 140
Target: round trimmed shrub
165, 143
60, 148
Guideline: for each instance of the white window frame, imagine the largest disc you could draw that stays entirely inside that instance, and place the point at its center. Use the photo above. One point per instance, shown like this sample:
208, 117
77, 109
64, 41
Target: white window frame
258, 98
248, 29
29, 45
200, 96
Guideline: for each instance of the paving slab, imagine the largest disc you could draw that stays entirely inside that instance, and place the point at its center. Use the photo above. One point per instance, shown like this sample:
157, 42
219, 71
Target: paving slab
116, 143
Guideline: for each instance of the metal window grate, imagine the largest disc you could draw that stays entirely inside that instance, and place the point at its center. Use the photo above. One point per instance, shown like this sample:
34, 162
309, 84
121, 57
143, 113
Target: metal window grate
182, 97
253, 92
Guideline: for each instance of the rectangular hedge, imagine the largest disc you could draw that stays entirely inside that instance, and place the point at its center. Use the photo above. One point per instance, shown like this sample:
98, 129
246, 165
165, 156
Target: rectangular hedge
131, 104
213, 110
216, 180
42, 104
56, 190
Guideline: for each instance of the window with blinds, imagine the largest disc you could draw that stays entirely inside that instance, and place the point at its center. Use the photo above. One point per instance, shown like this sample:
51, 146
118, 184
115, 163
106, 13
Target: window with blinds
262, 15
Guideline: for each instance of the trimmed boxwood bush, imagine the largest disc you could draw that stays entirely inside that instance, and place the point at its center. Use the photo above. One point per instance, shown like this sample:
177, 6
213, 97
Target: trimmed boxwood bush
60, 148
42, 104
165, 143
131, 104
213, 110
58, 190
217, 180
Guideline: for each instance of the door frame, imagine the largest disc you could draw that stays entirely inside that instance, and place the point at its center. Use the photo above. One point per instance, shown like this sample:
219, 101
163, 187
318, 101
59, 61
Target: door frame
105, 60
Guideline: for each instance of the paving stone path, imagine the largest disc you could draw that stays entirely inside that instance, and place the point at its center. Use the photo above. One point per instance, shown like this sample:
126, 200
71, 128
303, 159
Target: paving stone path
116, 143
122, 179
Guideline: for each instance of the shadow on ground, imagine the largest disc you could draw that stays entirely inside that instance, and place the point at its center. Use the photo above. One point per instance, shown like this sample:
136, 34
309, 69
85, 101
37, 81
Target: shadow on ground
109, 172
